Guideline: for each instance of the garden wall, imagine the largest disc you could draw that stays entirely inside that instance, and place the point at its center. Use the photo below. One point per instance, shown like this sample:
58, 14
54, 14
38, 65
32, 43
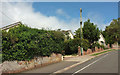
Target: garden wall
19, 66
89, 51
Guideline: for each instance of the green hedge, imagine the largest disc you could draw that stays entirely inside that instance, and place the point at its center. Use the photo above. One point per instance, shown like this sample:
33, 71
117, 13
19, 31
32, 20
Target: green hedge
102, 46
95, 45
24, 43
71, 46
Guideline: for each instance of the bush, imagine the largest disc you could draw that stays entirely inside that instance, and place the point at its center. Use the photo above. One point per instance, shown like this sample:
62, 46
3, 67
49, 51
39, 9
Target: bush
24, 43
71, 46
102, 46
85, 44
95, 45
67, 47
119, 43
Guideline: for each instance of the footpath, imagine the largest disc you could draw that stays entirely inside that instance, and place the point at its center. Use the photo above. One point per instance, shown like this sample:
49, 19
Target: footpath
84, 57
67, 63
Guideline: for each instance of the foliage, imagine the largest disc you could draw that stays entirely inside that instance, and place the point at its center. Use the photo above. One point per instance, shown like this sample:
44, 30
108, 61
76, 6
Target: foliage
0, 41
102, 46
67, 47
112, 32
71, 46
90, 32
24, 43
0, 58
77, 33
96, 44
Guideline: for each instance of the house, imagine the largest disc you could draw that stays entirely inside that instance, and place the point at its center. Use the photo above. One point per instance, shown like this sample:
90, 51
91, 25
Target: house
11, 26
115, 45
101, 40
68, 34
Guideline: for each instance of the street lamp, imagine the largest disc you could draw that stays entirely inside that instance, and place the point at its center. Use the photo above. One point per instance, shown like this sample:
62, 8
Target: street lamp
81, 29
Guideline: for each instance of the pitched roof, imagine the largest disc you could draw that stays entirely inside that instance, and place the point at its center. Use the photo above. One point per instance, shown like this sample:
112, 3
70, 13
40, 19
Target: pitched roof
67, 31
11, 25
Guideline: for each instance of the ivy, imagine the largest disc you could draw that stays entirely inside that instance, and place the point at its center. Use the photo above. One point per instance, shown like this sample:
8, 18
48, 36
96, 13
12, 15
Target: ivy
24, 43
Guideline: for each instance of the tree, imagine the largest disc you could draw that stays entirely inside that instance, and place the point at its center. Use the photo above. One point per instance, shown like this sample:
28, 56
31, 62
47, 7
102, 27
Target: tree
112, 32
90, 32
77, 33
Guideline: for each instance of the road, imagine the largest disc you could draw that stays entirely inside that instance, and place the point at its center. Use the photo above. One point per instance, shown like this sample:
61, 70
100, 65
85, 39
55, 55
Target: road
106, 64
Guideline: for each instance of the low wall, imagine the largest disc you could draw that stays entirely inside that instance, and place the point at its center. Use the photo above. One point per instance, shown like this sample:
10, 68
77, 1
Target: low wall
89, 51
18, 66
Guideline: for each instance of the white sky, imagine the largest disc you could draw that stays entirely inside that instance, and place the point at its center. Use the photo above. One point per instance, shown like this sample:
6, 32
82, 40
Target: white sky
25, 12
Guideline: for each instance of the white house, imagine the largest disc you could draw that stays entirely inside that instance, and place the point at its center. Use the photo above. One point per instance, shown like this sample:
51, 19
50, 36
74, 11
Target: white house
11, 26
101, 40
68, 33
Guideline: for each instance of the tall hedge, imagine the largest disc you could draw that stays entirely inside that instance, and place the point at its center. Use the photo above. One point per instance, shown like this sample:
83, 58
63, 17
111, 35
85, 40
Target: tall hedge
71, 46
24, 43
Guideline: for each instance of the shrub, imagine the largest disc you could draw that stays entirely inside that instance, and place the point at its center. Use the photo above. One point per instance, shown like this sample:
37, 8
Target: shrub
85, 44
24, 43
71, 46
102, 46
95, 45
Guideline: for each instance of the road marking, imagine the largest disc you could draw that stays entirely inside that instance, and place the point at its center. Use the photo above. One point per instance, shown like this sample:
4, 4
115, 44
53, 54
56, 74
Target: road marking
62, 70
89, 64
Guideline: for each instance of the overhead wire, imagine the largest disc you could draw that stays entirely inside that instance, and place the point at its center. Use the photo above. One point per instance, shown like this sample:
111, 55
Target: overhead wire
7, 16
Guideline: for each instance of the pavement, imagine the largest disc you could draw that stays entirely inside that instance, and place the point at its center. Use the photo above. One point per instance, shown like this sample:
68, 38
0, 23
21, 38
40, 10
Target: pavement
61, 65
106, 63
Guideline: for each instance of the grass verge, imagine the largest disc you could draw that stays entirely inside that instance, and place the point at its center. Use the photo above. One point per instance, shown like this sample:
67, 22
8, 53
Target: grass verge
102, 52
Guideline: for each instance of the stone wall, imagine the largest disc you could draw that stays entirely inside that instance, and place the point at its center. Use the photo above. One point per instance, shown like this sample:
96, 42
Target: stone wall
18, 66
79, 51
108, 46
89, 51
115, 45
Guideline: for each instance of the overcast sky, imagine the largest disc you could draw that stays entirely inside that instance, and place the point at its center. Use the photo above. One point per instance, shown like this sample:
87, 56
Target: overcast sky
58, 15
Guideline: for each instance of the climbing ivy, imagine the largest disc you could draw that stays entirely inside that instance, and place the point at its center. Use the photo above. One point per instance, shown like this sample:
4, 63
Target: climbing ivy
24, 43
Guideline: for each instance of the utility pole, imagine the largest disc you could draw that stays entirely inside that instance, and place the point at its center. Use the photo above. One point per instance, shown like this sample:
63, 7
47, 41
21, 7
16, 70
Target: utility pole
117, 42
81, 30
